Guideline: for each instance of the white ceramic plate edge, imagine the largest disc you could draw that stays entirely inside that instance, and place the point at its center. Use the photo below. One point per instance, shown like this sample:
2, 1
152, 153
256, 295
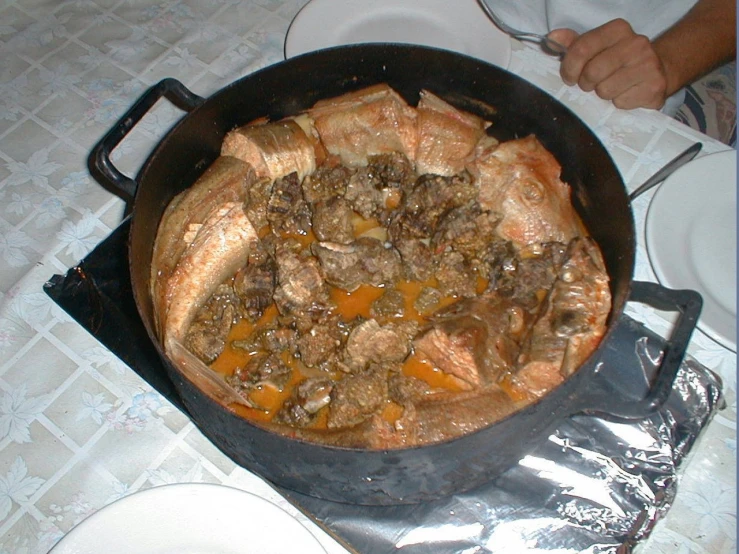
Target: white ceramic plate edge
461, 26
673, 227
190, 518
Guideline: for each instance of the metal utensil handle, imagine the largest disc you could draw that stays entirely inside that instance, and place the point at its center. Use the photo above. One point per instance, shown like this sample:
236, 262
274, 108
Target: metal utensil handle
688, 304
99, 163
551, 45
668, 169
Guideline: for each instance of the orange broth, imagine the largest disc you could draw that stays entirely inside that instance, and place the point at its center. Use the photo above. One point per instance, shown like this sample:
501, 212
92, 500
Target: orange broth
349, 305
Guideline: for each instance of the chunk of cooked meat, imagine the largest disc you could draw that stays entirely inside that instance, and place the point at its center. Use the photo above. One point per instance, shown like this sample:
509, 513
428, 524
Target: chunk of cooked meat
365, 196
333, 220
418, 259
357, 397
262, 369
273, 339
287, 210
429, 199
374, 190
366, 261
320, 343
428, 300
309, 397
257, 200
456, 275
390, 305
527, 275
254, 284
475, 340
389, 171
301, 286
206, 337
466, 229
326, 182
371, 342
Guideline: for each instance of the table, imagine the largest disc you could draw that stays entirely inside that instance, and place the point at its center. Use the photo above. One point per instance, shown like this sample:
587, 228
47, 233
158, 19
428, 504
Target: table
78, 428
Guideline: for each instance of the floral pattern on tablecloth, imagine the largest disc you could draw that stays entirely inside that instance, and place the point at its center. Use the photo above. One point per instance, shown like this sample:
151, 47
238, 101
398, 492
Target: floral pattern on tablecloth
68, 407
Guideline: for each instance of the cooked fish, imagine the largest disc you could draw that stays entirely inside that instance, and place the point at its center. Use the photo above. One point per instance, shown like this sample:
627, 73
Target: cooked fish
444, 416
372, 121
446, 136
274, 150
571, 322
220, 246
520, 180
226, 180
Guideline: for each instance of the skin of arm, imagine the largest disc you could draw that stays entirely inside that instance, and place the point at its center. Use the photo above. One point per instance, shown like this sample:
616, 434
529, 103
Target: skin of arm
626, 68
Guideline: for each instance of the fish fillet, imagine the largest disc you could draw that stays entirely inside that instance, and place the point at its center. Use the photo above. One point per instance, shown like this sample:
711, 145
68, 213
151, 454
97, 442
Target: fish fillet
226, 180
369, 122
220, 247
446, 136
273, 149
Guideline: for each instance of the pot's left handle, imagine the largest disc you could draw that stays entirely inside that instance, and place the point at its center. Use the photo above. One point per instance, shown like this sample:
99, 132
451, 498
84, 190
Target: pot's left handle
606, 401
99, 163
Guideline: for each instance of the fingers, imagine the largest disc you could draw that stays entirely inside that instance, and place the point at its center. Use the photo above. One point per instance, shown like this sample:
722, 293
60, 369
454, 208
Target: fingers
564, 36
616, 63
591, 44
644, 93
638, 82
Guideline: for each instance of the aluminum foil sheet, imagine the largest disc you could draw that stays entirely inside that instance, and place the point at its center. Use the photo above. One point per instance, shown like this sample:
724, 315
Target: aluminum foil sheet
595, 486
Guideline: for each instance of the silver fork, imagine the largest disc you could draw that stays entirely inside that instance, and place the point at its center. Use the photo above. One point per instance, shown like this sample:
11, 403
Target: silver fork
549, 45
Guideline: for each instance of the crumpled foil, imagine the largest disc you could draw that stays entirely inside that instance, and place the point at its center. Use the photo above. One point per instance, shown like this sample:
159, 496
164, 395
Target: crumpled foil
594, 486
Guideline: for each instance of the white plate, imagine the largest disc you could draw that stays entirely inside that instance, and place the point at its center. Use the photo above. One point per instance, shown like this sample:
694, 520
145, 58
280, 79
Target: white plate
457, 25
691, 239
191, 518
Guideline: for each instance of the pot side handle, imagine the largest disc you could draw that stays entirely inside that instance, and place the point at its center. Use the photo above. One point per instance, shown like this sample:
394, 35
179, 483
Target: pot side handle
605, 401
99, 163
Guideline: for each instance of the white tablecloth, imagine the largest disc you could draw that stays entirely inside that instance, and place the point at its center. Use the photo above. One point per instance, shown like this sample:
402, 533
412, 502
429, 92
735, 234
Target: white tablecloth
78, 428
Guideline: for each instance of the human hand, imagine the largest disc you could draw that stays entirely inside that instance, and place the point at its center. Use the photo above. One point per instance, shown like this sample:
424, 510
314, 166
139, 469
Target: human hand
616, 63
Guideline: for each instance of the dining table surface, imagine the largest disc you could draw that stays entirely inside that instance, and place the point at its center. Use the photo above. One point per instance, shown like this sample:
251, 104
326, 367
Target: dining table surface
79, 429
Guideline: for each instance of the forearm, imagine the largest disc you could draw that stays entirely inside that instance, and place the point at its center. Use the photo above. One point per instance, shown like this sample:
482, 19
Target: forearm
704, 39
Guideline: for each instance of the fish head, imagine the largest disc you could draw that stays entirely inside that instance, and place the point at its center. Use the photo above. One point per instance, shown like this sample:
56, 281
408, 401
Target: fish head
520, 179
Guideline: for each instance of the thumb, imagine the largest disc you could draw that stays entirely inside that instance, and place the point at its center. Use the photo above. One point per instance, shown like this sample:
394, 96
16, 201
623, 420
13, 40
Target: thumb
564, 36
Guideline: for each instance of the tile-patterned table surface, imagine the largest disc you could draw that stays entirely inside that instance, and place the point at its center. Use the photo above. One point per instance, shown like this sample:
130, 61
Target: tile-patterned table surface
78, 428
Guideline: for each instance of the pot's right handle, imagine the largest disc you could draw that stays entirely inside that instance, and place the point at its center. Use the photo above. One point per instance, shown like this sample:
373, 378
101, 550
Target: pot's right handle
606, 402
99, 163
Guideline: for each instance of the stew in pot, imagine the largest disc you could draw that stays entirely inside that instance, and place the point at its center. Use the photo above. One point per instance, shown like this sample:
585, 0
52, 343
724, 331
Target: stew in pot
372, 274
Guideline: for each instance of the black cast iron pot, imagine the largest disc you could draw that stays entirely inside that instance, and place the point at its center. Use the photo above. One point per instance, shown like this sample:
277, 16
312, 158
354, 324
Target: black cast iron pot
419, 473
